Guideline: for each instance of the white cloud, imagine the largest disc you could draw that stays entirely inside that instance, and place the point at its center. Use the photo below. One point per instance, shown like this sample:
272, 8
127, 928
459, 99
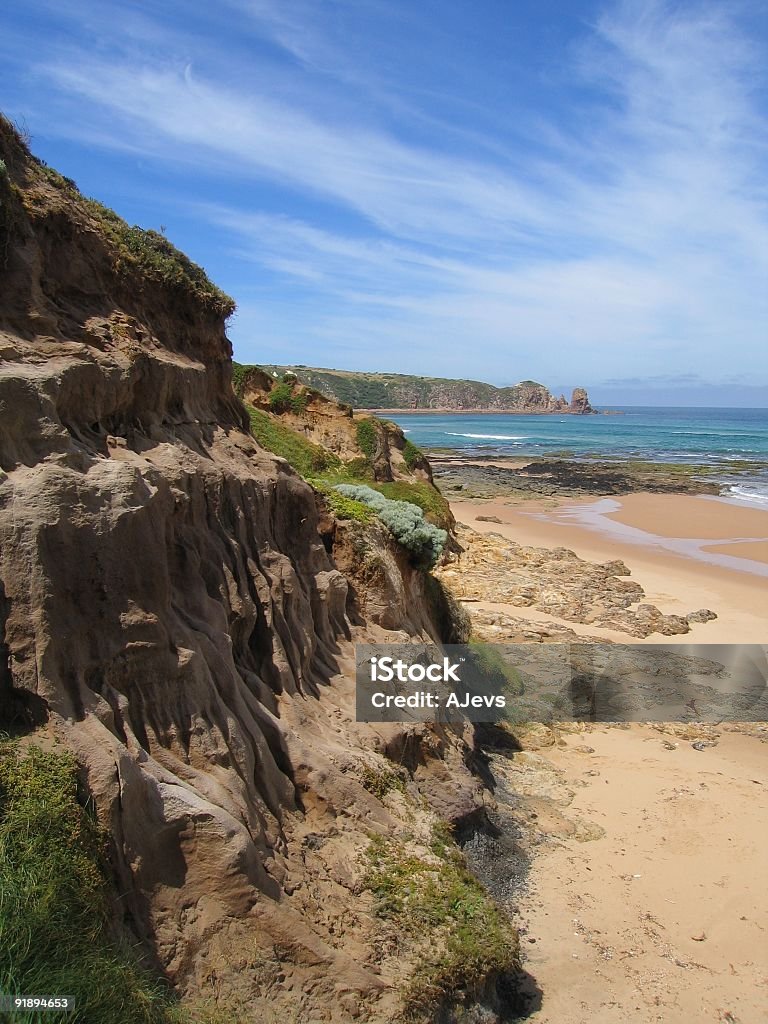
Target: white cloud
639, 243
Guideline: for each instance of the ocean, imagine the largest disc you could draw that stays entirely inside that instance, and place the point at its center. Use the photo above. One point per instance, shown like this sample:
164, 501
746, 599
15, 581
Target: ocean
720, 438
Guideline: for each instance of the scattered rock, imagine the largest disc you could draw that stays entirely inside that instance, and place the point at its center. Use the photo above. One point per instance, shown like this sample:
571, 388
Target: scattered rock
702, 615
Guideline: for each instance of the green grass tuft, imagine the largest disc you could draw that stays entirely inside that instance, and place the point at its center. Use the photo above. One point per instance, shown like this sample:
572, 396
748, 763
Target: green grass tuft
381, 780
306, 458
54, 901
468, 939
341, 506
367, 438
411, 454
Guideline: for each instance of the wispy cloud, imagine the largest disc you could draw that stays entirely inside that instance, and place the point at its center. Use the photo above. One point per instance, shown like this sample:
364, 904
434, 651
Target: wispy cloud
628, 237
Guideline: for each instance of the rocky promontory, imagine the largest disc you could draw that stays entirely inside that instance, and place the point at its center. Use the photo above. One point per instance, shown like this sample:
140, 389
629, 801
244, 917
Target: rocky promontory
399, 392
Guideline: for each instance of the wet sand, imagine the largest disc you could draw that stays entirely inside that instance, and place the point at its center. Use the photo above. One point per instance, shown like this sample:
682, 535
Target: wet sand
675, 563
663, 918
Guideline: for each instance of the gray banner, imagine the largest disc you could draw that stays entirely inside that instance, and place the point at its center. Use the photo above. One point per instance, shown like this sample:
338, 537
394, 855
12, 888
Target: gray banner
562, 682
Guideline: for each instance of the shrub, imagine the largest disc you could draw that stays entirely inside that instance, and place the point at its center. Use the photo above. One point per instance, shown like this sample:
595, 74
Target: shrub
411, 454
405, 521
280, 397
366, 438
428, 498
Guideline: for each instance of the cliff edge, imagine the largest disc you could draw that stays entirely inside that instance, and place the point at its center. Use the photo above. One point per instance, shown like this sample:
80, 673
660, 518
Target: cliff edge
173, 610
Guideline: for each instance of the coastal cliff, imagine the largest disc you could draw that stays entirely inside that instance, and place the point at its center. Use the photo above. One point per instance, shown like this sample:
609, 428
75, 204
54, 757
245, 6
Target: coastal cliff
178, 608
404, 392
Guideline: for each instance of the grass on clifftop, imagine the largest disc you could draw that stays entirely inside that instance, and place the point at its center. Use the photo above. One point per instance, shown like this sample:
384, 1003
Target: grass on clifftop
467, 940
29, 183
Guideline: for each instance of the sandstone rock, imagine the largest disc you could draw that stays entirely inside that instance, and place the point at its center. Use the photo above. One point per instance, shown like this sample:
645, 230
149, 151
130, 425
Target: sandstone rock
554, 581
702, 615
171, 610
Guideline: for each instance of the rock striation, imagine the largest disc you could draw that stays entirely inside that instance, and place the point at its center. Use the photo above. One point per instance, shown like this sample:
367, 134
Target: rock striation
178, 607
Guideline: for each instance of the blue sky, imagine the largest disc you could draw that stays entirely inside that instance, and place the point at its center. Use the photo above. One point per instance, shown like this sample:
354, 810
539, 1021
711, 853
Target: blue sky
502, 189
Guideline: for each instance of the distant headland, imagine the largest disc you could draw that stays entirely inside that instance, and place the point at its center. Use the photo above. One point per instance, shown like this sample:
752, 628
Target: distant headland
400, 392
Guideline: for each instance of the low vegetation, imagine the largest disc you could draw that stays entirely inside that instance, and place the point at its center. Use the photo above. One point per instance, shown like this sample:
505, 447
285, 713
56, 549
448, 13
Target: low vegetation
405, 521
466, 940
381, 780
284, 398
367, 438
150, 253
147, 252
54, 900
308, 459
342, 506
419, 492
411, 455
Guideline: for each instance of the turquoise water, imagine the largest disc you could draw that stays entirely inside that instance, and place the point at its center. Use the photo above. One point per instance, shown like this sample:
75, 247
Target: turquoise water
717, 437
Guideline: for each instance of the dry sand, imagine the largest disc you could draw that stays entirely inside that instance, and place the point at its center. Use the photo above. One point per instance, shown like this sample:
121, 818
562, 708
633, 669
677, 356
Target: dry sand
673, 556
663, 918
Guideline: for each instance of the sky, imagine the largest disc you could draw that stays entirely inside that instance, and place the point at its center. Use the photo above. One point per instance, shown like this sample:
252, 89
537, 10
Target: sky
496, 189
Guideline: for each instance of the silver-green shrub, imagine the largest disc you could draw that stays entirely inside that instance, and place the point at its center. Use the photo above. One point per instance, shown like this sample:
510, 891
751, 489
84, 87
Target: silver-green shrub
405, 521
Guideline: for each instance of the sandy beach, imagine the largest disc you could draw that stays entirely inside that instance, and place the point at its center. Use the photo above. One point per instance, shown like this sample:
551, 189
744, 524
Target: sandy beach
646, 898
685, 551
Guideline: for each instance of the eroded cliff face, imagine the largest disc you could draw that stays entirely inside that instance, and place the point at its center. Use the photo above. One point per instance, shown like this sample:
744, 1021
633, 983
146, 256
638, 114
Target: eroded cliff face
171, 609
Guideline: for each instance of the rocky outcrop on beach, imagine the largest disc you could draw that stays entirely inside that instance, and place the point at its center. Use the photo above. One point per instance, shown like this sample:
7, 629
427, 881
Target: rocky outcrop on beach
178, 607
399, 391
556, 582
564, 478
